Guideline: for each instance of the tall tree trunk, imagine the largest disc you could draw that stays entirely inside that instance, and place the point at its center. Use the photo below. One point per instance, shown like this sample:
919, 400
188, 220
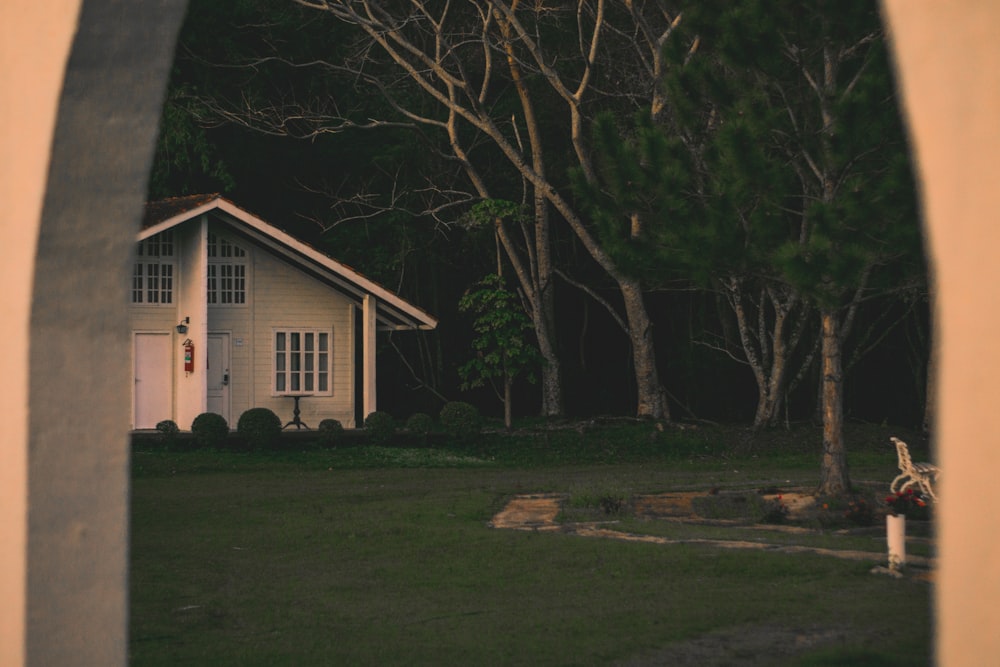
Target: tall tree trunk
652, 402
507, 400
536, 284
423, 49
540, 261
651, 396
551, 378
834, 480
534, 273
769, 398
769, 363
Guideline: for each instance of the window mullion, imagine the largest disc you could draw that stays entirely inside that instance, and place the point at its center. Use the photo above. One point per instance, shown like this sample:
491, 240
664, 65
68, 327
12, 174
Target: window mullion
301, 361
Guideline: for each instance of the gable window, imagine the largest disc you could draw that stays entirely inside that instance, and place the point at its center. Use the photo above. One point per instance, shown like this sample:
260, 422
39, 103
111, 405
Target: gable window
302, 361
153, 274
227, 272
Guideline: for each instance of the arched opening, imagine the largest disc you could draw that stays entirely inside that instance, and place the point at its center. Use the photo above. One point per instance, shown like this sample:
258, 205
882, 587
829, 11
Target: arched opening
77, 195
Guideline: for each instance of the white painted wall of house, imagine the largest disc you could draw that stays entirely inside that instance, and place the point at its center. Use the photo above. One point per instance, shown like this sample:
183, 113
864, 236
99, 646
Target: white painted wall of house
278, 296
285, 297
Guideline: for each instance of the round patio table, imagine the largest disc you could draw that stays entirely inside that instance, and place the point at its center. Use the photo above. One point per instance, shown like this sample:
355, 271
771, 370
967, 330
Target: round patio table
298, 423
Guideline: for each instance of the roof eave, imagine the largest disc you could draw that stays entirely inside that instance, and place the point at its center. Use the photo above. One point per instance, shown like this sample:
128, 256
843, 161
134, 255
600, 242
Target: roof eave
392, 307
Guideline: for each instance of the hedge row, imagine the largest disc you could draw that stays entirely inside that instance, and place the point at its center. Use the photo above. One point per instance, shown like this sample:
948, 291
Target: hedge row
260, 428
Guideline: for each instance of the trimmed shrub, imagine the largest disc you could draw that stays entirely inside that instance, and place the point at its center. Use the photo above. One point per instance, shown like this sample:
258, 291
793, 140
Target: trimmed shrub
330, 432
380, 426
168, 430
420, 423
461, 420
168, 427
260, 427
210, 430
419, 426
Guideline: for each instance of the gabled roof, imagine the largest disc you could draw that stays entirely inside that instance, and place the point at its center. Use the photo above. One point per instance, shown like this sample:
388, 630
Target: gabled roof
392, 311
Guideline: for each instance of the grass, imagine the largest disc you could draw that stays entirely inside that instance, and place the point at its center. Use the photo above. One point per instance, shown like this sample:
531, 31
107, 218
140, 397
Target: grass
380, 556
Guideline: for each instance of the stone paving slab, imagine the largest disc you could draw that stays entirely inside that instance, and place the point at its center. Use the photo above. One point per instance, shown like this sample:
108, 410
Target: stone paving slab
538, 512
530, 512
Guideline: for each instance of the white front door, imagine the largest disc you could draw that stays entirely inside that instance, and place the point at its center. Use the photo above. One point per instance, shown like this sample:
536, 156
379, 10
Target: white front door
152, 379
218, 377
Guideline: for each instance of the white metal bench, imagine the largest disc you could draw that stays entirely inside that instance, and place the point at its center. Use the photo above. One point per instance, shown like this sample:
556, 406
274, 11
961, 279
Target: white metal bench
921, 475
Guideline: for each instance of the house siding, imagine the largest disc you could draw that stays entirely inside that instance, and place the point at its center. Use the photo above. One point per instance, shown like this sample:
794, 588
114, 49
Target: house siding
290, 299
158, 319
237, 323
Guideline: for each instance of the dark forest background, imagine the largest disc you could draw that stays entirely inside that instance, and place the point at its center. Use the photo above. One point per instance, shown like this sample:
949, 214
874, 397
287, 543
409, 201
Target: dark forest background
267, 105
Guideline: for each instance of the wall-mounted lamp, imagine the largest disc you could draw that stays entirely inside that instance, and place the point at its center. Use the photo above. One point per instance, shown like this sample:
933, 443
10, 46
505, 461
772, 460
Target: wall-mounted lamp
182, 327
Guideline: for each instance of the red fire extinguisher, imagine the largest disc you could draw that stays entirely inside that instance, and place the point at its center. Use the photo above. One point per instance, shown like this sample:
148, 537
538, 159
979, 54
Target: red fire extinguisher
188, 356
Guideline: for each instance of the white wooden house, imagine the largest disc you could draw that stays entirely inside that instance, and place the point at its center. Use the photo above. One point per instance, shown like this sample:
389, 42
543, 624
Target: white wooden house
229, 313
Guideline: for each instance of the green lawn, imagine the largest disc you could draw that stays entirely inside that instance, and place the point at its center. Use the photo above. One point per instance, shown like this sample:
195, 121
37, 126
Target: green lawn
363, 557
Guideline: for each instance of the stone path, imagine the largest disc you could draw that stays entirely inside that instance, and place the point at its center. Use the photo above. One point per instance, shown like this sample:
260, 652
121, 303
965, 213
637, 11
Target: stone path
530, 512
538, 512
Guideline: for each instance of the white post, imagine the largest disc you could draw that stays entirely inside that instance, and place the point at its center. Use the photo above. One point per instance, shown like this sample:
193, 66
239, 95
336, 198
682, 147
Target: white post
895, 533
368, 356
191, 389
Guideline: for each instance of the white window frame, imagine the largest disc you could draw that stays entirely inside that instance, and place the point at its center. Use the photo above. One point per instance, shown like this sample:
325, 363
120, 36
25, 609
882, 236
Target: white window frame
307, 370
153, 274
227, 272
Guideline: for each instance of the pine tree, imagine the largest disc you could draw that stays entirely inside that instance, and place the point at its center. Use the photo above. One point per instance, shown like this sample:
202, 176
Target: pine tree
814, 130
778, 172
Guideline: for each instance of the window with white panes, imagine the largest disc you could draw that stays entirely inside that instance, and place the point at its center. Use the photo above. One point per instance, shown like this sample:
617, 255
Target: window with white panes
302, 361
153, 273
227, 272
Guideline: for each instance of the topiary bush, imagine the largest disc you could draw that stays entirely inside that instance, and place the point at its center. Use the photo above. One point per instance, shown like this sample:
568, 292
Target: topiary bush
168, 427
419, 426
168, 430
260, 427
461, 420
330, 432
380, 426
420, 423
210, 430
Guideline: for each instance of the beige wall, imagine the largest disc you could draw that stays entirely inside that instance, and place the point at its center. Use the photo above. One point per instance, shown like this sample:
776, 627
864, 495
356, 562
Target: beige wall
949, 56
188, 302
80, 92
237, 321
29, 96
160, 319
286, 297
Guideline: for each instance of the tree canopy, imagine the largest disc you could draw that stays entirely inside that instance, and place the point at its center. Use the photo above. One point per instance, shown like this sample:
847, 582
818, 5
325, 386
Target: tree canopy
717, 178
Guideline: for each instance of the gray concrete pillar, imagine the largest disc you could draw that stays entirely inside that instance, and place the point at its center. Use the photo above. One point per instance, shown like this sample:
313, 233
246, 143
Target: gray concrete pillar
70, 243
